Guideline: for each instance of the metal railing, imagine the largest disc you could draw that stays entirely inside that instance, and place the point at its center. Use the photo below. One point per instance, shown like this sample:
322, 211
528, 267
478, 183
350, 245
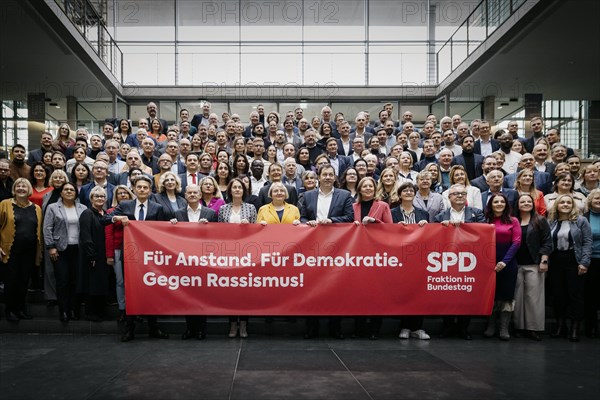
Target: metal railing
477, 27
92, 27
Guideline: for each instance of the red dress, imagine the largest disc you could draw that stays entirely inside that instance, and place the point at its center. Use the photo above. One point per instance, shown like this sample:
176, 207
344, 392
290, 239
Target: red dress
38, 197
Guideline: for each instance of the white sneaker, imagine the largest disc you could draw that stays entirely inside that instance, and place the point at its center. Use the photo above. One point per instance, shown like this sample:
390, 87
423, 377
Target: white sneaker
404, 334
420, 334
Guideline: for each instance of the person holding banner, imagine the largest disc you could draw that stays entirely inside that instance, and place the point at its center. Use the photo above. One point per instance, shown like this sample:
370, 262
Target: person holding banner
195, 213
367, 209
140, 209
457, 214
326, 205
278, 211
508, 242
211, 195
407, 214
569, 262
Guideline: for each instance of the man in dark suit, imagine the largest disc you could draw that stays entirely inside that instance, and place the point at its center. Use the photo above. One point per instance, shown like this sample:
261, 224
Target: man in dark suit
537, 126
194, 213
457, 214
326, 205
38, 154
340, 163
468, 159
99, 172
191, 176
495, 180
276, 175
140, 209
485, 145
202, 119
489, 163
540, 154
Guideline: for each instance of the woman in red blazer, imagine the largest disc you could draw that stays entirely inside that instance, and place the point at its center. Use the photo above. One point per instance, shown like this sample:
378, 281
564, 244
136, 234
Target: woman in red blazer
367, 209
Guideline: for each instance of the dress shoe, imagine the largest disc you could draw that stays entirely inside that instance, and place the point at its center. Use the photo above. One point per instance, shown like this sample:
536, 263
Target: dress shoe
11, 317
533, 335
158, 334
64, 317
74, 315
23, 315
373, 336
201, 335
188, 335
51, 303
127, 337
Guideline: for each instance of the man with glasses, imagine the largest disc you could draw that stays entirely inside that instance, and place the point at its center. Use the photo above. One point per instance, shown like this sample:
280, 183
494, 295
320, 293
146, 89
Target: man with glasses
495, 181
99, 173
458, 213
485, 145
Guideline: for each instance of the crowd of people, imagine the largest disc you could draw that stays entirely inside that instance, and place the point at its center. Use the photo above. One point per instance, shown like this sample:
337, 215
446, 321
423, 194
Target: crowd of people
70, 199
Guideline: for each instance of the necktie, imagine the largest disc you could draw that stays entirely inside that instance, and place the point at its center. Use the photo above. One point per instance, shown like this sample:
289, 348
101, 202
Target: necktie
141, 214
194, 179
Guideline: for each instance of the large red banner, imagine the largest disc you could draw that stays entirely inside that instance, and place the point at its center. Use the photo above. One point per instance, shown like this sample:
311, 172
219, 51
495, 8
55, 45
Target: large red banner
339, 269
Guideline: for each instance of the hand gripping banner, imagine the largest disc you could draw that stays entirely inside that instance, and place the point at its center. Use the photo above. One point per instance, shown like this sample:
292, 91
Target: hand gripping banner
338, 269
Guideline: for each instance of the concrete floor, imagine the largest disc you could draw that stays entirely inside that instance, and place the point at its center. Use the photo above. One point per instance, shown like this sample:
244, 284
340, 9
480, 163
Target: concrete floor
99, 366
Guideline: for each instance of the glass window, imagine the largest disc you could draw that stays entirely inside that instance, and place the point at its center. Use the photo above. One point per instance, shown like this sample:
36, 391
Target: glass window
338, 64
244, 109
397, 20
206, 65
397, 65
310, 110
334, 20
144, 21
271, 65
148, 64
207, 20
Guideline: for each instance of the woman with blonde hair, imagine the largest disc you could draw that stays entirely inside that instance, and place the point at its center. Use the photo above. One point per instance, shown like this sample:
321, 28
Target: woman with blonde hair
211, 195
20, 246
589, 179
387, 187
63, 139
458, 176
524, 184
168, 196
569, 262
565, 184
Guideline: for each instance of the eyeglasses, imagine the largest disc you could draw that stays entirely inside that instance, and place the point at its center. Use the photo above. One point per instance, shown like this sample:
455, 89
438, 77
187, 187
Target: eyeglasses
99, 196
458, 194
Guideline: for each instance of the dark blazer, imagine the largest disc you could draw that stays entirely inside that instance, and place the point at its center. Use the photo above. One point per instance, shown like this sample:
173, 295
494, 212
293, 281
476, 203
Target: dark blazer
154, 212
163, 122
471, 215
84, 194
420, 166
511, 194
550, 166
344, 162
163, 200
480, 183
341, 151
460, 160
205, 212
340, 209
197, 120
367, 136
183, 178
477, 146
541, 180
539, 240
263, 197
420, 215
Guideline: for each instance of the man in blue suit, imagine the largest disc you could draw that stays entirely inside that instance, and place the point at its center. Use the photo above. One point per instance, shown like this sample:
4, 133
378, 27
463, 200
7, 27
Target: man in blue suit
457, 214
326, 205
99, 172
495, 179
140, 209
340, 163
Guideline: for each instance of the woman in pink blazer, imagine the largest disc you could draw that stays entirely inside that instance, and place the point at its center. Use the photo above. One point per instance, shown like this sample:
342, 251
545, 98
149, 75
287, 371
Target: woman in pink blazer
367, 209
